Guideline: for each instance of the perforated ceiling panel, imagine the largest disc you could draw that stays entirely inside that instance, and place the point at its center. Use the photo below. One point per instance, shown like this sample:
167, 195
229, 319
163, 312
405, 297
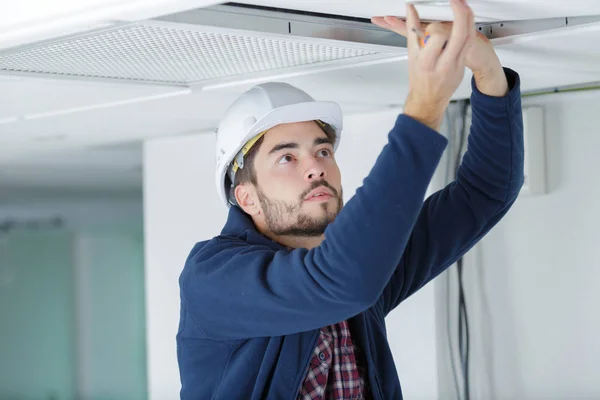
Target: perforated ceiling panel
169, 53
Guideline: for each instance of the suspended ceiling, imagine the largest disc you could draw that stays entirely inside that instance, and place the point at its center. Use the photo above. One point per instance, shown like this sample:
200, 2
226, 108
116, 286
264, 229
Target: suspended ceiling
49, 120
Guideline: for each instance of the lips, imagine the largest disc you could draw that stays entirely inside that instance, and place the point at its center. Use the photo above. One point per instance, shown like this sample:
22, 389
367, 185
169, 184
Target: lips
320, 193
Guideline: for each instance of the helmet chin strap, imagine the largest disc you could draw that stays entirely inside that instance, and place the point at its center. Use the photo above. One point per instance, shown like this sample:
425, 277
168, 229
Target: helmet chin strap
238, 160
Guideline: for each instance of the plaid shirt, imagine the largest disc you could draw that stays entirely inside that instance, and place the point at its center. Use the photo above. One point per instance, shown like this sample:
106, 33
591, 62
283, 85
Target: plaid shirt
333, 372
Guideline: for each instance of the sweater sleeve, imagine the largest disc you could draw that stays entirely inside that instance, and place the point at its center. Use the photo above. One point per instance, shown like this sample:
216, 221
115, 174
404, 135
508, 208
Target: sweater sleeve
234, 290
488, 182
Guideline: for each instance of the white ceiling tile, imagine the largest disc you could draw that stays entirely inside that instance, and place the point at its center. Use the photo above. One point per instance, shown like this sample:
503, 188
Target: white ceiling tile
484, 9
29, 96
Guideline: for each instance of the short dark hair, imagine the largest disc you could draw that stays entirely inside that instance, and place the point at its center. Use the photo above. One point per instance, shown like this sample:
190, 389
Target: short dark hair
248, 173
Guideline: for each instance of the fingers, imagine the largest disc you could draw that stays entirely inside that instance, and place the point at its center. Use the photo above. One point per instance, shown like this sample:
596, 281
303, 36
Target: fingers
438, 37
412, 25
446, 41
380, 22
397, 25
440, 28
463, 29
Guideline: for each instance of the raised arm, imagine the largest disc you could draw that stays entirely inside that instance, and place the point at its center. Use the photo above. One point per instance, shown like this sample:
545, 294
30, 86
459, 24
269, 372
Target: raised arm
488, 183
233, 290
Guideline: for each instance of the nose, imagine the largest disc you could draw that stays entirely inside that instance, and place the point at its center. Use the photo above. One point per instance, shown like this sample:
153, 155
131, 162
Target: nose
315, 171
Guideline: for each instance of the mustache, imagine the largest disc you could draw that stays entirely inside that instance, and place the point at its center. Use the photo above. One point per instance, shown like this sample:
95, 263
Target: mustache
317, 184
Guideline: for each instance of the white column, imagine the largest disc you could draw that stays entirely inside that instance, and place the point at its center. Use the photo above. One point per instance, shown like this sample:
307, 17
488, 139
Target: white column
182, 208
411, 327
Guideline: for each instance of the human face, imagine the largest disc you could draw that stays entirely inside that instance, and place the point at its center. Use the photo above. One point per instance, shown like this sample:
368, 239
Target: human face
298, 180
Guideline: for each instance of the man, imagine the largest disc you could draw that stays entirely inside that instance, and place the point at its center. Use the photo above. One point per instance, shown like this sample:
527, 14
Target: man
289, 301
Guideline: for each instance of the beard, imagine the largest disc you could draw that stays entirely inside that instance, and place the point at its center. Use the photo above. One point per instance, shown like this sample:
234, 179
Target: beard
288, 219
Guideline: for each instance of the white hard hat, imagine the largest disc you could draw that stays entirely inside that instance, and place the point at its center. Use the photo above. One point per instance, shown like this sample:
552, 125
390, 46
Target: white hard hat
261, 108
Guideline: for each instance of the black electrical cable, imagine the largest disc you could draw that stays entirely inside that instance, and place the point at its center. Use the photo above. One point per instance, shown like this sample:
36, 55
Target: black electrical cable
463, 319
451, 139
463, 331
461, 342
449, 160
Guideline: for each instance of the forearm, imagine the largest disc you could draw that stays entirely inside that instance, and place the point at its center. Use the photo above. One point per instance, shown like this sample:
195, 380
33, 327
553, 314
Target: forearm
452, 220
494, 159
254, 290
492, 80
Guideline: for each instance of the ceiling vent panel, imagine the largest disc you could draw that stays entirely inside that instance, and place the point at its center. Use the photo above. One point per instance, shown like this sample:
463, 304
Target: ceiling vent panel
218, 45
167, 52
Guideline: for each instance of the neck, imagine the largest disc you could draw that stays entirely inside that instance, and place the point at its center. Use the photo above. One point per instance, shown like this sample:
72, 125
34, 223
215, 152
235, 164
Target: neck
298, 242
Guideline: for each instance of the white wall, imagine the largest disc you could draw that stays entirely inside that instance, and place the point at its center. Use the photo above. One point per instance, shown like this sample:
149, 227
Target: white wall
532, 284
182, 207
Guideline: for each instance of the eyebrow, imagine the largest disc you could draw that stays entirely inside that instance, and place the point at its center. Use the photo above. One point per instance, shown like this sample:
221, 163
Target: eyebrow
284, 145
292, 145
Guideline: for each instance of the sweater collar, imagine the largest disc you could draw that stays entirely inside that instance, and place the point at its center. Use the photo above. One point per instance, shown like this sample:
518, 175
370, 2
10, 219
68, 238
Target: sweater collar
240, 225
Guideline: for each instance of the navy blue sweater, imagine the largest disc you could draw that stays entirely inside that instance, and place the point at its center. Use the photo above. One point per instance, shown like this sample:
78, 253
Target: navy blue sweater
251, 310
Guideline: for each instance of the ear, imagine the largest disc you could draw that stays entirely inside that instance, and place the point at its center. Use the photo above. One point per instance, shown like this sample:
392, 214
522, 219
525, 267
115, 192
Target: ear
247, 199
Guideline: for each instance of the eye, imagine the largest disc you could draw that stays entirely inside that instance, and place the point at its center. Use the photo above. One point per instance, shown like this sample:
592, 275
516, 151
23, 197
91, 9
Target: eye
324, 153
286, 159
